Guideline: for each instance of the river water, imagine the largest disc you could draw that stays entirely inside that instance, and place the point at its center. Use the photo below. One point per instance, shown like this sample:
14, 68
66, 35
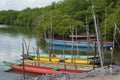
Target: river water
10, 50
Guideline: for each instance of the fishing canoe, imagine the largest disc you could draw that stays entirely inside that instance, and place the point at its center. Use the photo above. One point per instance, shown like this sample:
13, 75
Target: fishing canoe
71, 61
76, 44
66, 60
43, 54
80, 49
39, 69
76, 61
55, 59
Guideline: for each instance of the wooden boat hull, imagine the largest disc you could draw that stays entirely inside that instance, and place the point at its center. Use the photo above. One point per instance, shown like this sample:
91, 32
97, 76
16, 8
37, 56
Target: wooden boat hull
80, 44
63, 56
80, 49
38, 69
60, 58
34, 70
66, 60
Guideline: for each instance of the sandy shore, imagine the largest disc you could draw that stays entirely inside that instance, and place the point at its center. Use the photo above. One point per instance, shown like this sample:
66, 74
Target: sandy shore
106, 77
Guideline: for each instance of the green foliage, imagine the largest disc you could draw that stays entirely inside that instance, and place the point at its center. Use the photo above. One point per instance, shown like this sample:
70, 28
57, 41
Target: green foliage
27, 17
65, 14
8, 17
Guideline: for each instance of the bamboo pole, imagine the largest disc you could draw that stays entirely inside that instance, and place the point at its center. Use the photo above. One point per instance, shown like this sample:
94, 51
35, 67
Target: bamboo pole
72, 46
117, 28
88, 38
50, 52
96, 29
76, 53
64, 61
38, 56
95, 53
105, 24
73, 56
63, 55
77, 45
23, 61
112, 48
37, 50
27, 47
43, 24
101, 40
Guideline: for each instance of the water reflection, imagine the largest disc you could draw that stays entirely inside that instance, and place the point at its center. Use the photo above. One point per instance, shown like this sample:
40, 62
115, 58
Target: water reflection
10, 50
4, 26
80, 49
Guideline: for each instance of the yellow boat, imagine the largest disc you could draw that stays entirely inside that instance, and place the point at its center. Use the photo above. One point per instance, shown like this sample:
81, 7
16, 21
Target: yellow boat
66, 60
84, 67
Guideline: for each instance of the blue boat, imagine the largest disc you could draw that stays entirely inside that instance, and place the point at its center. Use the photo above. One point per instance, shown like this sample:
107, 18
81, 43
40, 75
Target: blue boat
77, 43
80, 49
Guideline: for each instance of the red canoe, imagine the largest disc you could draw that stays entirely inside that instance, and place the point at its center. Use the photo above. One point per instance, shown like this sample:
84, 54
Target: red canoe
38, 69
43, 70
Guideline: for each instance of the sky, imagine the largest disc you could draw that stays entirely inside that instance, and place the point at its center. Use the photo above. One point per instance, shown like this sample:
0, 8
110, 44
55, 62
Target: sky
22, 4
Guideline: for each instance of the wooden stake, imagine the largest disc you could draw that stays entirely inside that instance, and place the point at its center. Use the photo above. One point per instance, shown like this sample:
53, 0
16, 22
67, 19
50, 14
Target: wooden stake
23, 61
112, 48
96, 29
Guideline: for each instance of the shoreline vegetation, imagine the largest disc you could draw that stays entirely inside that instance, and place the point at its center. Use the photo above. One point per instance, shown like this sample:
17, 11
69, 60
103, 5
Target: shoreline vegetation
64, 14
